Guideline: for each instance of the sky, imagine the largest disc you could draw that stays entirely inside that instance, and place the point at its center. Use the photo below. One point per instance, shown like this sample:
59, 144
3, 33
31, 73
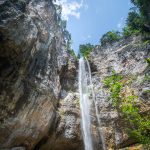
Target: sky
88, 20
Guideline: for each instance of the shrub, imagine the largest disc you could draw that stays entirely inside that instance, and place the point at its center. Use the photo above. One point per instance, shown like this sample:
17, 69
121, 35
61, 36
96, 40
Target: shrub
85, 49
126, 104
126, 31
110, 37
148, 60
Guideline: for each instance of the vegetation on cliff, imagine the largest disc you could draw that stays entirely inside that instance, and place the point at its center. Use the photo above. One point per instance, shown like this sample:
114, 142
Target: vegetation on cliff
85, 49
110, 37
127, 103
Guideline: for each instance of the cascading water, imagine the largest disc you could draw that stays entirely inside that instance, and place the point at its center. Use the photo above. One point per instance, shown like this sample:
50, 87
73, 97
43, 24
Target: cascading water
84, 105
87, 97
96, 109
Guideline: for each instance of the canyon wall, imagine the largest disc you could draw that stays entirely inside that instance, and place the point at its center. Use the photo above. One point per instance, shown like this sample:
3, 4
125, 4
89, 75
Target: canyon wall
39, 97
126, 57
36, 71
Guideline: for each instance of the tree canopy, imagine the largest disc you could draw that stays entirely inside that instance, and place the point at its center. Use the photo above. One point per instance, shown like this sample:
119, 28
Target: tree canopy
85, 49
137, 22
110, 37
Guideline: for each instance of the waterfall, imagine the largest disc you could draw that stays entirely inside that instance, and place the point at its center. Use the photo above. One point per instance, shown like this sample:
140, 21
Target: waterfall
96, 109
84, 104
87, 97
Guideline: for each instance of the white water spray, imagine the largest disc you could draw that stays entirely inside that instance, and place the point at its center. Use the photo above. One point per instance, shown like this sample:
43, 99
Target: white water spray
84, 104
87, 94
96, 109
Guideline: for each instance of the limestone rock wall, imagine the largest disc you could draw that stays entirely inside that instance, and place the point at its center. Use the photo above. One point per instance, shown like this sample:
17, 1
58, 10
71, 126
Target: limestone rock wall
126, 57
34, 62
39, 98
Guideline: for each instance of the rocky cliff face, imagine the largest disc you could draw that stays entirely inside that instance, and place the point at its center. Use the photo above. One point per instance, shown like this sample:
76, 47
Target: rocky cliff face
126, 57
36, 71
39, 100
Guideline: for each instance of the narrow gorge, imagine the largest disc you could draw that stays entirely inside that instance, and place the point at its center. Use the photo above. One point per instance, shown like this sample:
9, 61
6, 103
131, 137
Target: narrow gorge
51, 100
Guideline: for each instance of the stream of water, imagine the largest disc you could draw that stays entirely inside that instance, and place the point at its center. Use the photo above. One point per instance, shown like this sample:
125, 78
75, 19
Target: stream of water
84, 105
87, 97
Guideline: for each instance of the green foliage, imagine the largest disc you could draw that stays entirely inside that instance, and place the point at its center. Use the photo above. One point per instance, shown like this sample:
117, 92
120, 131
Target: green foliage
138, 20
146, 78
111, 80
139, 125
147, 41
110, 37
143, 6
147, 91
127, 31
113, 83
85, 49
71, 51
134, 25
134, 21
148, 60
67, 36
